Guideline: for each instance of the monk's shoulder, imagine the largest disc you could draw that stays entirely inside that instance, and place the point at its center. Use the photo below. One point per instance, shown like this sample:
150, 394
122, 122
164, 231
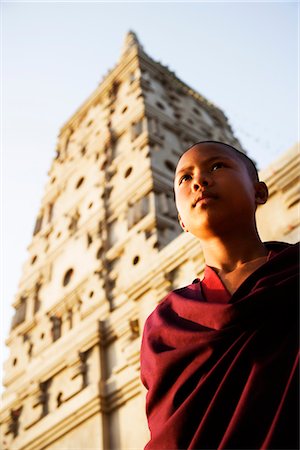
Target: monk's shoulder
186, 292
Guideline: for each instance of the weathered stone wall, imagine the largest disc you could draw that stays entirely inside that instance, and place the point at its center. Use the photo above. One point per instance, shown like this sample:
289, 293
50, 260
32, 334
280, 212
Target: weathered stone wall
279, 218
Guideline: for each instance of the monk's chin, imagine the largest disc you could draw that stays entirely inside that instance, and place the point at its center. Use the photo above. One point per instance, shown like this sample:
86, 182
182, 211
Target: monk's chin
212, 228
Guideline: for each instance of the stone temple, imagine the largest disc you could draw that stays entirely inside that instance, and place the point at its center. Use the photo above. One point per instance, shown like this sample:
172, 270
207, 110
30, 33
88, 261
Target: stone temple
106, 249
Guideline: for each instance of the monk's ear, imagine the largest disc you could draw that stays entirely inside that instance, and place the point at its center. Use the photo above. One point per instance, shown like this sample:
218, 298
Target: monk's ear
261, 193
182, 224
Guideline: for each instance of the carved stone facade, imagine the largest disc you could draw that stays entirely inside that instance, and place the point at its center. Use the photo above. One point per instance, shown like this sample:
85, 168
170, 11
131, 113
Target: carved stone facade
106, 249
279, 218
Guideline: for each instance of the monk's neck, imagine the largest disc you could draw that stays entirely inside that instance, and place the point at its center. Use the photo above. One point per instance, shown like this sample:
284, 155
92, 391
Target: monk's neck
233, 253
235, 257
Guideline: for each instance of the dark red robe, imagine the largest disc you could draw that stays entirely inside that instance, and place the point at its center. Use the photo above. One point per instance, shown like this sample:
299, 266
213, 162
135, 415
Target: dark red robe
221, 370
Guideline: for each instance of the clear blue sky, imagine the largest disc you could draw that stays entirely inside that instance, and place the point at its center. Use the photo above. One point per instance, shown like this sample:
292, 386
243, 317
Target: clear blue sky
241, 56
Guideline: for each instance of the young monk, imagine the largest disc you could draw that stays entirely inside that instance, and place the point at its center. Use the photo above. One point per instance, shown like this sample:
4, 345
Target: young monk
219, 357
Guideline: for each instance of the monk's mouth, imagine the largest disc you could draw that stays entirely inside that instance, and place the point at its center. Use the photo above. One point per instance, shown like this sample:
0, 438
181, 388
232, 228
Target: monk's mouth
202, 198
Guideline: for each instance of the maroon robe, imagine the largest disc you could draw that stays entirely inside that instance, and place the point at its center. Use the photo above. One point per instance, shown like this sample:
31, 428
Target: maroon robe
221, 370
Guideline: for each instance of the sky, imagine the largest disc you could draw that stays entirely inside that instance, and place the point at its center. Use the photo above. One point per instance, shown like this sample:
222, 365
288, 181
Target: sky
242, 56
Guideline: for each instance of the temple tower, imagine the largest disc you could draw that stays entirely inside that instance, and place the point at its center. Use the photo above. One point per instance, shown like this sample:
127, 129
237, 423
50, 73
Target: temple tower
102, 255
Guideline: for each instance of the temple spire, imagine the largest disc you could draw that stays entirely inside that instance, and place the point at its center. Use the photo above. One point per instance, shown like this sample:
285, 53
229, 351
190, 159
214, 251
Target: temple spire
131, 40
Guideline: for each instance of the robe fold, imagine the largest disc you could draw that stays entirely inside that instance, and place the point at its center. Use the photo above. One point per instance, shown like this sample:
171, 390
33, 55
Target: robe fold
222, 370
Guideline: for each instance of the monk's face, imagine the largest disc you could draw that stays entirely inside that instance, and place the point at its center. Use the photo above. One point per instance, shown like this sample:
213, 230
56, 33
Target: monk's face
214, 192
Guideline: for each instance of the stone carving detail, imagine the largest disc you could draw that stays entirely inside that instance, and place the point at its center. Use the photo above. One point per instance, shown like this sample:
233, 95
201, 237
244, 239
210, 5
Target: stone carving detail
20, 314
38, 225
59, 399
43, 397
83, 368
70, 318
14, 424
29, 345
73, 226
30, 349
65, 141
137, 211
50, 211
134, 328
56, 327
136, 129
89, 239
166, 205
36, 299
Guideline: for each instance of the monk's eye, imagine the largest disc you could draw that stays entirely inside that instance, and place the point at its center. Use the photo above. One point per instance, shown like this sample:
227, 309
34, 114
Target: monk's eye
185, 178
217, 165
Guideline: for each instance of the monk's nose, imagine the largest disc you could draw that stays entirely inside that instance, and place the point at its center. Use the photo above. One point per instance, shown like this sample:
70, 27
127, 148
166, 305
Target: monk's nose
200, 183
